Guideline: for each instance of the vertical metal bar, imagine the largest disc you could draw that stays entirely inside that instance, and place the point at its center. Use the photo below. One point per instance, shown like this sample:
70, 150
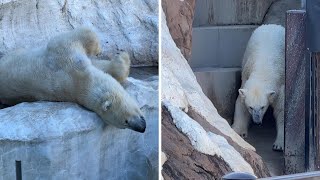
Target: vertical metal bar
18, 170
315, 59
295, 83
313, 45
307, 112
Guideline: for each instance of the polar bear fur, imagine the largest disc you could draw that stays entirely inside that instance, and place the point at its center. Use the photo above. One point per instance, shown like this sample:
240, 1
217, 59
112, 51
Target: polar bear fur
63, 71
262, 85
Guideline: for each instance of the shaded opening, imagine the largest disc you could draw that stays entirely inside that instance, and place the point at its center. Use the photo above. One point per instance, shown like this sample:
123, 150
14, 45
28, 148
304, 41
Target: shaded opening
262, 138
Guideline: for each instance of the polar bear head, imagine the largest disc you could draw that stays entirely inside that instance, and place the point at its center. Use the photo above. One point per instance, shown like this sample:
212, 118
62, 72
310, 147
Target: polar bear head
257, 101
114, 105
120, 110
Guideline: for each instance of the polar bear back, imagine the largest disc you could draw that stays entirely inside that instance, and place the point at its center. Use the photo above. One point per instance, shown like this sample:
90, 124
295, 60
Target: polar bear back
22, 76
264, 55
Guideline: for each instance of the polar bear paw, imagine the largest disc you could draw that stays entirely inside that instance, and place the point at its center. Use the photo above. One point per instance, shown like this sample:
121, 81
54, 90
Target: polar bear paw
121, 66
278, 145
241, 131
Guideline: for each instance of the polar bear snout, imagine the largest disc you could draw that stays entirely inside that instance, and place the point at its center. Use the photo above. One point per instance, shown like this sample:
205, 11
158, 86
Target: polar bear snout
137, 123
257, 116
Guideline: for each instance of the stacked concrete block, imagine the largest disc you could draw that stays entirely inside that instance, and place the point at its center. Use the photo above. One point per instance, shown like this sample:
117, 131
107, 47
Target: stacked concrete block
219, 46
217, 53
220, 85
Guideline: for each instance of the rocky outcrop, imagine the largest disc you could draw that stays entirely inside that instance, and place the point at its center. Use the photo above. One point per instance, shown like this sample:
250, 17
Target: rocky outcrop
230, 12
184, 161
179, 19
197, 141
122, 25
65, 141
277, 11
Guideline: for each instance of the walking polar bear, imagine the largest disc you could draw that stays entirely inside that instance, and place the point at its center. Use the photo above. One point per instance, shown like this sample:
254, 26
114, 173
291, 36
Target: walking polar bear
63, 71
262, 81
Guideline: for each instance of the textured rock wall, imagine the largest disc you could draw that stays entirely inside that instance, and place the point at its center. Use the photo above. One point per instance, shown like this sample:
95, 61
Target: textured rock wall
66, 141
179, 149
190, 118
230, 12
277, 11
127, 25
179, 18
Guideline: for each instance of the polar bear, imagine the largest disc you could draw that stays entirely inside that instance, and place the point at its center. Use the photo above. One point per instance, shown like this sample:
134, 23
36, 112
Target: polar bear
63, 71
263, 69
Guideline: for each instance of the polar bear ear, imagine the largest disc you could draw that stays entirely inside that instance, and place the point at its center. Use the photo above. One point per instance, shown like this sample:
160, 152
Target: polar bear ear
242, 92
271, 94
106, 105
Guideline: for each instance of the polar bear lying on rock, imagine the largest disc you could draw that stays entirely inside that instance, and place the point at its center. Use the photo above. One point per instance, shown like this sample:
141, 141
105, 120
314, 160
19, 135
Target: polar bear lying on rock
63, 71
262, 81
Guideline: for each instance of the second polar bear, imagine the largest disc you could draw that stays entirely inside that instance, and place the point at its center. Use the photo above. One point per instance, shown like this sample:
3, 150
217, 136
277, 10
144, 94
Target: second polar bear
262, 85
63, 71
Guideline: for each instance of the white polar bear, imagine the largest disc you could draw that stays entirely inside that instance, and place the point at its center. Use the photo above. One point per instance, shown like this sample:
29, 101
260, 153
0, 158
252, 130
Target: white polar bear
262, 81
62, 71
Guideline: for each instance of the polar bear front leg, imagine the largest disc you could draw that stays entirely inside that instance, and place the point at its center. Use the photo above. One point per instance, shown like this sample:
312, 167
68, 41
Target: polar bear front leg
278, 113
118, 68
278, 144
241, 119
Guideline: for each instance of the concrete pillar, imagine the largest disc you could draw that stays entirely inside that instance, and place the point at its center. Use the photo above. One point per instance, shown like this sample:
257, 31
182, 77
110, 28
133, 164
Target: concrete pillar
295, 79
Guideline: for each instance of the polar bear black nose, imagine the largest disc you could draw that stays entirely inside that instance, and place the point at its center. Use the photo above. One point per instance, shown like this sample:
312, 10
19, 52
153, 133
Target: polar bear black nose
137, 124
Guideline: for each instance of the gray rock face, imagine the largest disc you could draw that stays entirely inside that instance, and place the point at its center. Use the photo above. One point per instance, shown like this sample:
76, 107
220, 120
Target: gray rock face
122, 25
277, 12
65, 141
230, 12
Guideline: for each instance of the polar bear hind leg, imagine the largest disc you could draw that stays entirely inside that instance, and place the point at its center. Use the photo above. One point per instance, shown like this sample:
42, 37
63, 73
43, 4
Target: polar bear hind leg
118, 68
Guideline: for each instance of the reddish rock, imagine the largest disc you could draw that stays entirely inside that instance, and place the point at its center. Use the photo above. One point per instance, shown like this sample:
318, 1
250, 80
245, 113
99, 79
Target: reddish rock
179, 16
184, 162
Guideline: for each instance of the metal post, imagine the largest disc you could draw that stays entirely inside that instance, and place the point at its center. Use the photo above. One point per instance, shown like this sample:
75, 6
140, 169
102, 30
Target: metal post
18, 170
313, 45
295, 75
315, 59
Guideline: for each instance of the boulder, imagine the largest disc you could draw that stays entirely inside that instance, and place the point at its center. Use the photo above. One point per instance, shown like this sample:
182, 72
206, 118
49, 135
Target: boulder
179, 19
122, 25
61, 140
196, 140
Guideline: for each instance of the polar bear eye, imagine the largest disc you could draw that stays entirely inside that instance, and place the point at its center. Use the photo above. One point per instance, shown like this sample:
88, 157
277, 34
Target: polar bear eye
262, 107
251, 108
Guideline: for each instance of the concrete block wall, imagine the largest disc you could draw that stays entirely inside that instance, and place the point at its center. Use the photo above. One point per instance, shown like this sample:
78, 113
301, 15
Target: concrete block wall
219, 46
220, 85
221, 30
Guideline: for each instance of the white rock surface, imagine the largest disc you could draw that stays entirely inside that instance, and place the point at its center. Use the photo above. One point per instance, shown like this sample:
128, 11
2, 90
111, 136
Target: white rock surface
127, 25
65, 141
181, 89
208, 142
